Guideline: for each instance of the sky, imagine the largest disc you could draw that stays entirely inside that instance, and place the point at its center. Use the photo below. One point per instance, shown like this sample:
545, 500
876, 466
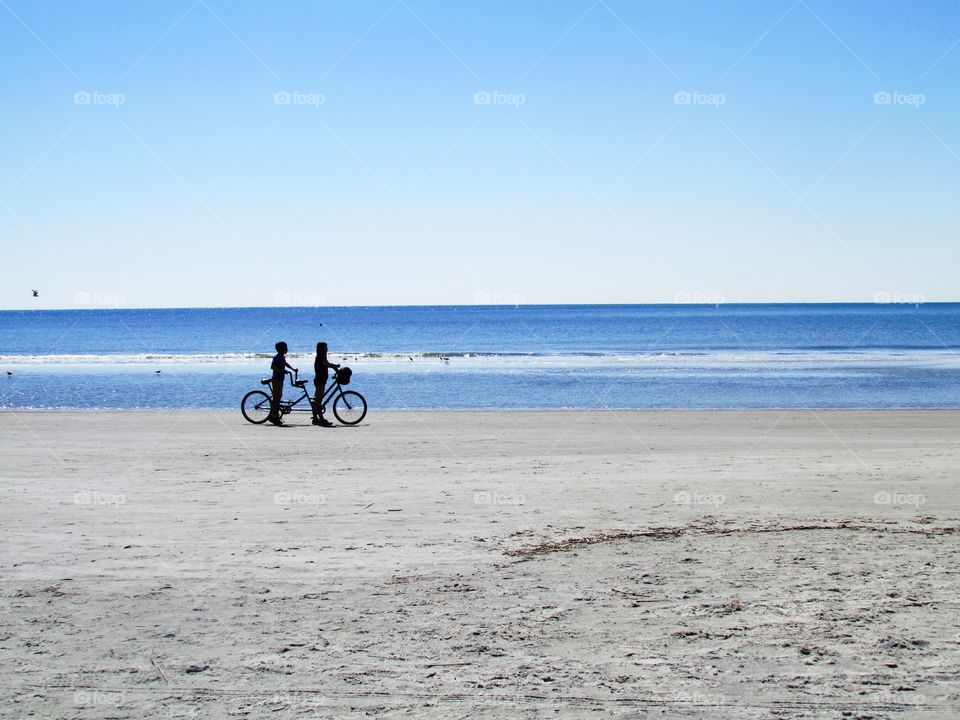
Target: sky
391, 152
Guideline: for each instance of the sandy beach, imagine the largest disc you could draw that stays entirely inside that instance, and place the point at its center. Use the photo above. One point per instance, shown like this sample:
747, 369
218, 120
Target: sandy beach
742, 564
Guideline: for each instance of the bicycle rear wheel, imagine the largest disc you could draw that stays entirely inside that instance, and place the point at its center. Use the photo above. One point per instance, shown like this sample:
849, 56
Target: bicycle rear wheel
349, 407
255, 406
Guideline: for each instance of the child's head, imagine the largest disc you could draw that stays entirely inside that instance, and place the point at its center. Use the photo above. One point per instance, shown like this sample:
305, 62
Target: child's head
281, 347
321, 348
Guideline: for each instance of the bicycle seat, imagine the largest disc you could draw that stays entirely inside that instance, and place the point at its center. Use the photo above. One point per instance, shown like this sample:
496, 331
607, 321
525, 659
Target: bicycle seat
300, 383
267, 381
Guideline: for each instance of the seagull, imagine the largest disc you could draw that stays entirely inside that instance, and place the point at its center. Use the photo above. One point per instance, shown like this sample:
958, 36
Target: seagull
409, 358
9, 373
36, 293
157, 371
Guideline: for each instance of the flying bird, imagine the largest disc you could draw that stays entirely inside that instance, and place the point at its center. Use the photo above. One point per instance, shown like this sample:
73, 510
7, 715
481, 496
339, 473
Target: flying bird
9, 373
36, 293
157, 371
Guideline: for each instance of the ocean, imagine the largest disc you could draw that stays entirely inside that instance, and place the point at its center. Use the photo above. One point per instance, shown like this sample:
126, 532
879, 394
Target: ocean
495, 356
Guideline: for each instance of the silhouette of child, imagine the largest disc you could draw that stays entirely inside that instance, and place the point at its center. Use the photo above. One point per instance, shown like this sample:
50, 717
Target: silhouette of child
279, 366
320, 367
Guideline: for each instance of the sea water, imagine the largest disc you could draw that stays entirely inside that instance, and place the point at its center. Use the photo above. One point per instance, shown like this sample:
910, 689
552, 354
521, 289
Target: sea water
495, 356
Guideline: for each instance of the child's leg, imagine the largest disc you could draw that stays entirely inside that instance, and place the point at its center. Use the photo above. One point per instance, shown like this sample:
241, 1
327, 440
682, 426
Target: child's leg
275, 400
321, 385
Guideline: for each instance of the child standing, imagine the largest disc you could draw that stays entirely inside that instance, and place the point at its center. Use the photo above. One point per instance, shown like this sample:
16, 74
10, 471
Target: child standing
279, 366
320, 367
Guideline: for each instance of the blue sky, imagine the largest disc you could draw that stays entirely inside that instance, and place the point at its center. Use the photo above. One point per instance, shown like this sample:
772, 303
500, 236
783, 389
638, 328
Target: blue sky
217, 153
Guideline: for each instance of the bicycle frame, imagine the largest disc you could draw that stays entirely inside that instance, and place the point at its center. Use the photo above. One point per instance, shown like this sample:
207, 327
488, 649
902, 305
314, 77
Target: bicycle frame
332, 390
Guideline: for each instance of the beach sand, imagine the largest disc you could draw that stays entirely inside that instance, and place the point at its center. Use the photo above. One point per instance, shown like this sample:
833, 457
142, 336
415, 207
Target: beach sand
742, 564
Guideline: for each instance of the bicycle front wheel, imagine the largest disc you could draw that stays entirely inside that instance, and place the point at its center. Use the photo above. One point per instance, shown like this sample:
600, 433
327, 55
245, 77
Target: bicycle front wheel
255, 406
350, 407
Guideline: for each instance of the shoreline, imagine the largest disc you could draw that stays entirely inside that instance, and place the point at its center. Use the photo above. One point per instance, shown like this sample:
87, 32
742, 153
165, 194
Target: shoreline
484, 411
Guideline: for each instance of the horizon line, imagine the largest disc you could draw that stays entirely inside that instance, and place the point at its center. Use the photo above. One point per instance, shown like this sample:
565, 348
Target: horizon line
916, 303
